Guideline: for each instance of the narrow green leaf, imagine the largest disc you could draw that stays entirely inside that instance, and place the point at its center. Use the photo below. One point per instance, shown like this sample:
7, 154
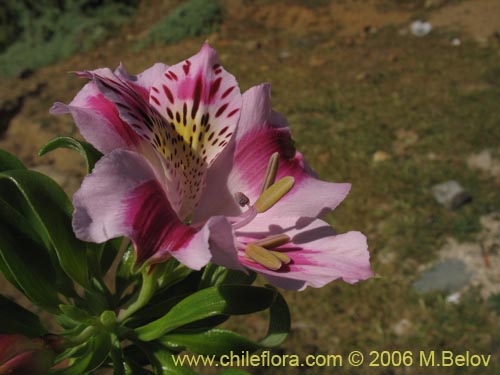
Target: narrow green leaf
162, 361
75, 313
217, 275
27, 264
9, 161
51, 213
116, 354
220, 300
125, 273
26, 229
85, 149
279, 323
220, 341
213, 342
94, 355
15, 319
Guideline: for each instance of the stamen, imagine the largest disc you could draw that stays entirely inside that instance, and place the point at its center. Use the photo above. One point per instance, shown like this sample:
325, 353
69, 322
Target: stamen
244, 218
241, 199
273, 241
285, 259
263, 257
272, 170
274, 193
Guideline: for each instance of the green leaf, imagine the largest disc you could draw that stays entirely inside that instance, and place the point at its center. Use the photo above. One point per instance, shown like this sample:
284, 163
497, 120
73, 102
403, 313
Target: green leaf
15, 319
27, 230
162, 361
279, 323
217, 275
126, 273
51, 216
215, 342
85, 149
220, 341
9, 161
75, 313
28, 267
116, 354
220, 300
94, 355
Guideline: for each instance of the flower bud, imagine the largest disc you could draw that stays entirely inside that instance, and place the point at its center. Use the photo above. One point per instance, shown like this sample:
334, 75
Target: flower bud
20, 355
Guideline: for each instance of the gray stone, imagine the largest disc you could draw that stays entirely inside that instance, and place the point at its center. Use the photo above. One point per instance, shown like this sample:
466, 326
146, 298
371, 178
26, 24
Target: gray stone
446, 276
450, 194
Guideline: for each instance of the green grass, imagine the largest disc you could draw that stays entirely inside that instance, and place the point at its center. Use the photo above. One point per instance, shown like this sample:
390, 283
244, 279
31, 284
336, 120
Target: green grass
190, 19
449, 98
50, 31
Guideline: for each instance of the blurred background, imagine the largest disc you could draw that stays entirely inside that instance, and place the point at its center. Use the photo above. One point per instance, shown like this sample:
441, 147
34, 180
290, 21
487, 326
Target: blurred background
399, 97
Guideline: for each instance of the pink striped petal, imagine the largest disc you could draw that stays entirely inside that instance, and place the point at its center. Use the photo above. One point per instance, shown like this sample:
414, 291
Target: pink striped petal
261, 133
201, 101
318, 256
98, 120
123, 197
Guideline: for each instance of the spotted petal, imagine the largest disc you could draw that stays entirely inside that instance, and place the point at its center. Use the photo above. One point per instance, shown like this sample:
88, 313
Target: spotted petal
97, 118
123, 197
201, 101
262, 132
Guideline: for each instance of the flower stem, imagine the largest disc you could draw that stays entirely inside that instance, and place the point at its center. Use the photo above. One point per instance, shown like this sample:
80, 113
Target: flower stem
148, 288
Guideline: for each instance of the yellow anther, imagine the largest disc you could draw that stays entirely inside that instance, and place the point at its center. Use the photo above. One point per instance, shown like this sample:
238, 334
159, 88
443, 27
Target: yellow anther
285, 259
273, 241
273, 194
263, 257
271, 171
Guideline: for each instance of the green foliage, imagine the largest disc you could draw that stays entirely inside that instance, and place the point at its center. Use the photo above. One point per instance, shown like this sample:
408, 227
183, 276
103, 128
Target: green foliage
40, 256
50, 30
192, 18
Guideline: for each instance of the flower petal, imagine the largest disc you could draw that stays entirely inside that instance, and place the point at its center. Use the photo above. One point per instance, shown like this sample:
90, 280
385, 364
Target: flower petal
318, 256
123, 197
143, 82
185, 165
98, 121
201, 101
262, 132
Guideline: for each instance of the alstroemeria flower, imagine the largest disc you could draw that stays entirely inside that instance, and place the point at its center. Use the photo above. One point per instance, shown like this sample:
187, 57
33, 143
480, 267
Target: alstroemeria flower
20, 355
160, 131
307, 249
162, 168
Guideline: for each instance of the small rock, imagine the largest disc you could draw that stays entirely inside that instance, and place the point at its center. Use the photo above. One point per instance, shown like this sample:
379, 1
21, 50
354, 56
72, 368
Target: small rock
446, 276
420, 28
455, 42
402, 328
450, 194
283, 55
380, 156
362, 76
485, 161
454, 298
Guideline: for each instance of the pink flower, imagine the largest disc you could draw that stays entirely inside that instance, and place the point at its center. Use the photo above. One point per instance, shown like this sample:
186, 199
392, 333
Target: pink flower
185, 159
20, 355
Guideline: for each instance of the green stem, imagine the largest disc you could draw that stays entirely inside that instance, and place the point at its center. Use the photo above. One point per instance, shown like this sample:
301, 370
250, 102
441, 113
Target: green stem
147, 290
86, 334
